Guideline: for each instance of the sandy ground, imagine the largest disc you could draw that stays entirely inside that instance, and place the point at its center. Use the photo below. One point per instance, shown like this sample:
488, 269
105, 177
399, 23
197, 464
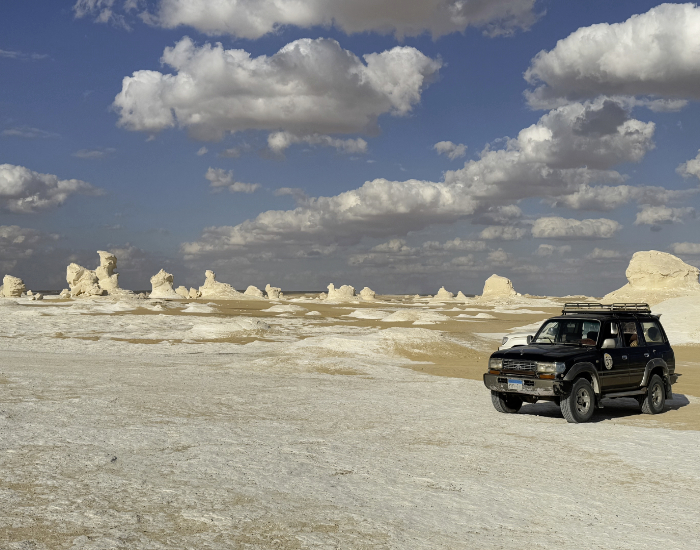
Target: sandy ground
236, 427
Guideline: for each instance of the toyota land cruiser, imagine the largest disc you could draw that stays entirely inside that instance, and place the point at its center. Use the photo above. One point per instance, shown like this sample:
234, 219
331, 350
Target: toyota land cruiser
592, 351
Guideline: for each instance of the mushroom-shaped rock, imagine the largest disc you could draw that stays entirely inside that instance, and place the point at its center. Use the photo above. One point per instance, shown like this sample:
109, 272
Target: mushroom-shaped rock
253, 291
217, 291
498, 287
12, 287
273, 293
656, 276
182, 292
162, 286
367, 294
345, 292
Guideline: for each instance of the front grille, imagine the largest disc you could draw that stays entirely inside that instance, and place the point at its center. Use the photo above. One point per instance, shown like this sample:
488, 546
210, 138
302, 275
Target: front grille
516, 364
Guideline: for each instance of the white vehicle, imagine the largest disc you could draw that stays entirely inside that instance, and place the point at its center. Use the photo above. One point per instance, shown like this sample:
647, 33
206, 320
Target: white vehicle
515, 339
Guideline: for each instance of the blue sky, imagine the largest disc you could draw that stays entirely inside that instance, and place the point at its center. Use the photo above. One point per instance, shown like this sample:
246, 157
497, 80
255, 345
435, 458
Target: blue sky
424, 222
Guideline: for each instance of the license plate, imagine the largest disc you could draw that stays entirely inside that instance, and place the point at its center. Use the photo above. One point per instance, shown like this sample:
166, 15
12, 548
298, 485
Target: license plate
515, 384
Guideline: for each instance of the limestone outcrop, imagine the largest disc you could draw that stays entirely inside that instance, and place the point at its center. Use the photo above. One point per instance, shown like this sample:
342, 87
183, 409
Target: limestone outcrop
12, 287
182, 292
65, 293
162, 286
443, 295
367, 294
273, 292
215, 290
82, 281
253, 291
194, 293
498, 287
344, 293
655, 276
107, 279
461, 297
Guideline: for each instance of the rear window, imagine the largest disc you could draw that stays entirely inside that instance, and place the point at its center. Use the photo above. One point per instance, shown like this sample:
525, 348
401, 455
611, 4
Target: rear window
652, 332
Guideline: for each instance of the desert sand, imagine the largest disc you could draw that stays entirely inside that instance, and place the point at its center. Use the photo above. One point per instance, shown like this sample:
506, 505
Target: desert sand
304, 422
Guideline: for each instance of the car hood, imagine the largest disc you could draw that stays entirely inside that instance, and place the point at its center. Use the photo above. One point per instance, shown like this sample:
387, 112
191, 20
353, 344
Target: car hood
545, 352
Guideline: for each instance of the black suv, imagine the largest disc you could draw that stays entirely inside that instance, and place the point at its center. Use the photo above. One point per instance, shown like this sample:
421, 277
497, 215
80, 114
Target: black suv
590, 352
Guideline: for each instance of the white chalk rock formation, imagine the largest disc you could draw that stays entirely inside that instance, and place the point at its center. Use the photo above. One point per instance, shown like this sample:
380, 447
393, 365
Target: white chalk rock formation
182, 292
12, 287
344, 293
162, 286
107, 279
37, 296
656, 276
65, 293
194, 293
443, 296
215, 290
367, 294
254, 291
461, 297
82, 281
273, 293
498, 287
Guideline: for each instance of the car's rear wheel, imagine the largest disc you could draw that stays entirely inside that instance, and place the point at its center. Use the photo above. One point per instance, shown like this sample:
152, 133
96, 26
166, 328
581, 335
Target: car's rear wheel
579, 405
655, 399
506, 402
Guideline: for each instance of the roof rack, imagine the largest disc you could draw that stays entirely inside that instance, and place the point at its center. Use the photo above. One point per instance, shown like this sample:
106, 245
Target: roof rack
589, 307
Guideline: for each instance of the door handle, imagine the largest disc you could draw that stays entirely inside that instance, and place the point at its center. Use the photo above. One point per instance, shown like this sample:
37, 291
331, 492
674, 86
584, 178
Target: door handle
646, 355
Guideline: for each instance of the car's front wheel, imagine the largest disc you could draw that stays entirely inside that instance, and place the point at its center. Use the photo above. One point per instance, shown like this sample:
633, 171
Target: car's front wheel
655, 399
579, 405
506, 402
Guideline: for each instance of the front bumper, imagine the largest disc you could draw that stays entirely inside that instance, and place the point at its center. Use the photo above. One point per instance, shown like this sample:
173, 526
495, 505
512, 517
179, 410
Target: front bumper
531, 386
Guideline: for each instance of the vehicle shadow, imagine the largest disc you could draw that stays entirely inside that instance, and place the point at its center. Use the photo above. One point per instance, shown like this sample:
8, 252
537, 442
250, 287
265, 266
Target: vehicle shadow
612, 408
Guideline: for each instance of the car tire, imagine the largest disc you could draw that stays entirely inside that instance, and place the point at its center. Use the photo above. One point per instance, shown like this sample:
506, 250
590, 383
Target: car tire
655, 399
579, 405
506, 402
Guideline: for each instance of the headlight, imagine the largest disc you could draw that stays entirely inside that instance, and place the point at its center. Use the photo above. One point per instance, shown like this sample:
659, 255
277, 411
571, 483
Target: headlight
495, 364
551, 367
503, 342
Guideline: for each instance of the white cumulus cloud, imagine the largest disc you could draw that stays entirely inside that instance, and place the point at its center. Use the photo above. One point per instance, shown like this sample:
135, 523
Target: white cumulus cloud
690, 168
19, 243
253, 19
545, 250
503, 233
602, 254
653, 54
657, 215
380, 208
280, 141
308, 88
686, 248
555, 227
569, 147
220, 179
451, 150
24, 191
604, 197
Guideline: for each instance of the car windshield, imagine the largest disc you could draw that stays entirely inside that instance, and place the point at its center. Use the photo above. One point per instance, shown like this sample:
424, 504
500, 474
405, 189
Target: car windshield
568, 331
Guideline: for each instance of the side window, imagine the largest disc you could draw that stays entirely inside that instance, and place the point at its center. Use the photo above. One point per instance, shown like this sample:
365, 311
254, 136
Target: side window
630, 338
611, 331
652, 332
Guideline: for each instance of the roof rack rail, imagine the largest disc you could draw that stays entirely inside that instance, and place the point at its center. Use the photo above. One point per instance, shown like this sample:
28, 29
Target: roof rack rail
622, 307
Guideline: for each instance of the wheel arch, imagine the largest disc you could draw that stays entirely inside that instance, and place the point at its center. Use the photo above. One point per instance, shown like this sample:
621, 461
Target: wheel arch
655, 366
587, 371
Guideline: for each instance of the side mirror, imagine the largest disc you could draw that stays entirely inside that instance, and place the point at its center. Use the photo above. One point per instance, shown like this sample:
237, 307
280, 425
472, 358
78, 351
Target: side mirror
608, 343
529, 338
